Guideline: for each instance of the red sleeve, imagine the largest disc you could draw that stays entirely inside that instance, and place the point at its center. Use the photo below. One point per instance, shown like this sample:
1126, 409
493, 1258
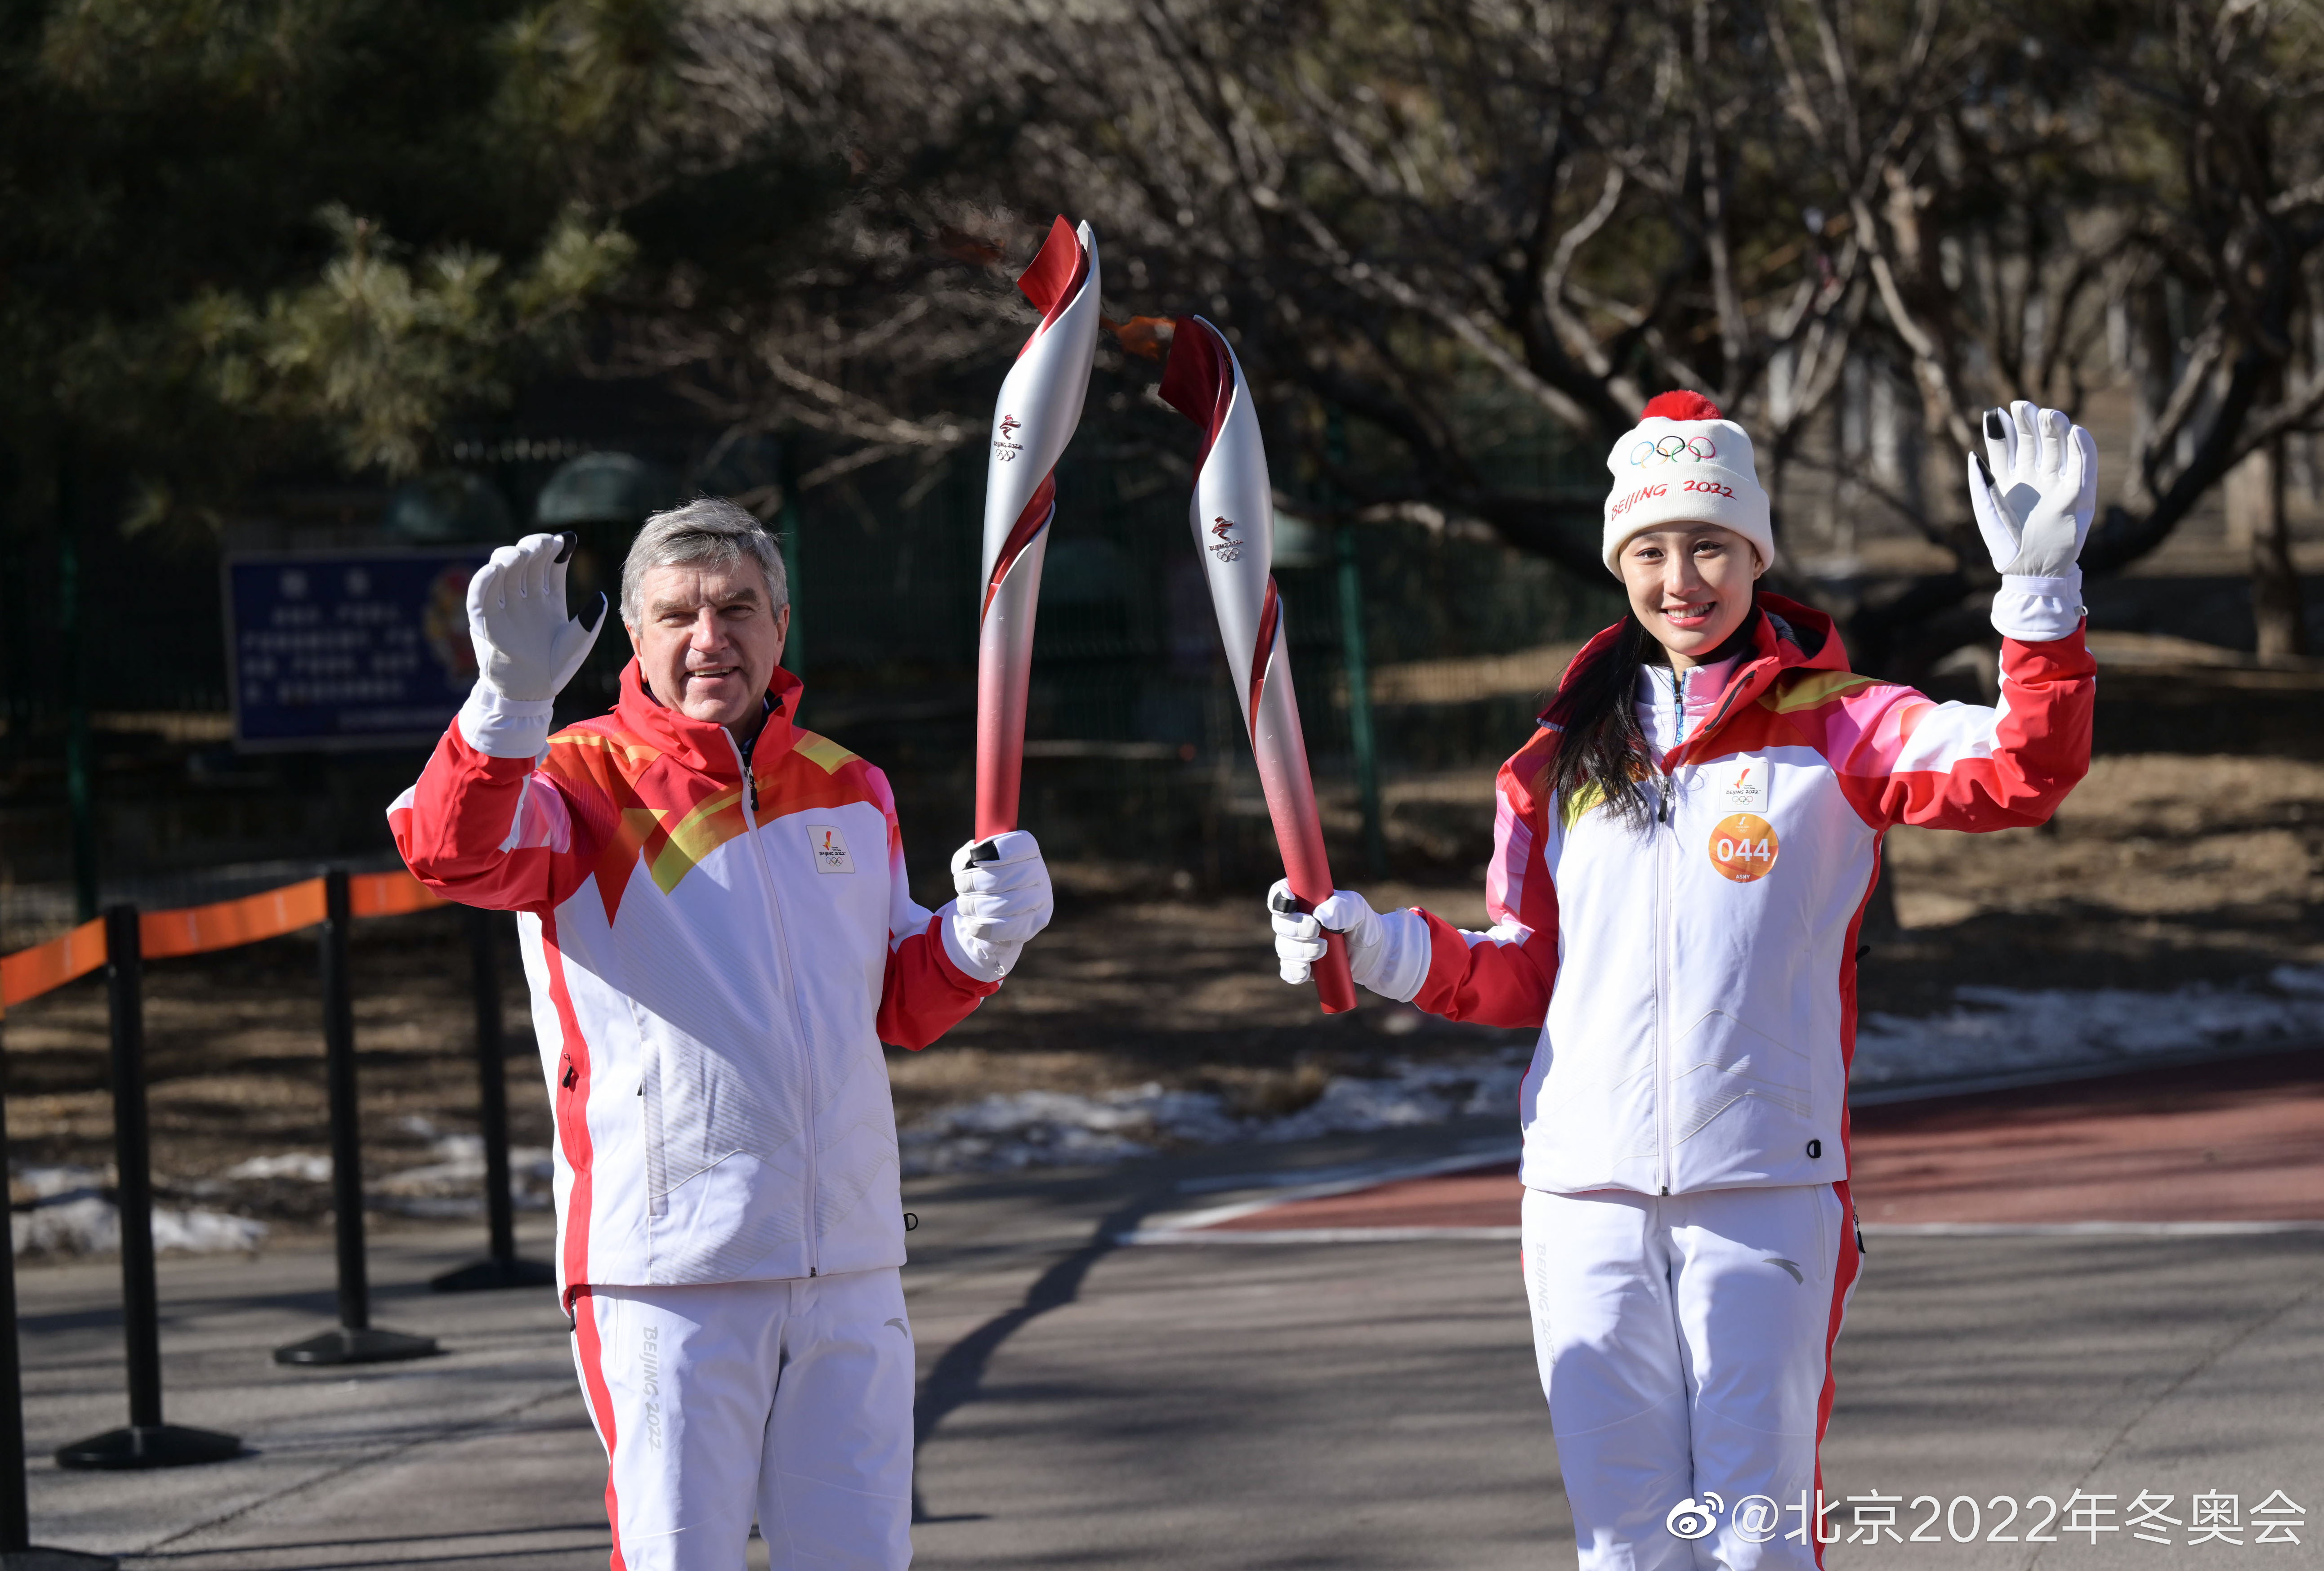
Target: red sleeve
1503, 976
494, 832
923, 993
1962, 766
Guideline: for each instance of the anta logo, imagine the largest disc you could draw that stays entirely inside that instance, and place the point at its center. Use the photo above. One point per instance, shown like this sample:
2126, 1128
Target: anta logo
1224, 545
828, 847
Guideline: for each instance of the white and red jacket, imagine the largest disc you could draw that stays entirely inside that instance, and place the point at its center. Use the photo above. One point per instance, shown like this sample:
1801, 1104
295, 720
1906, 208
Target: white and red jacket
714, 961
1694, 981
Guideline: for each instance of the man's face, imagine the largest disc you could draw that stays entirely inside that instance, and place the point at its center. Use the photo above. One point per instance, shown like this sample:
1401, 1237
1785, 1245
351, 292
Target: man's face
708, 639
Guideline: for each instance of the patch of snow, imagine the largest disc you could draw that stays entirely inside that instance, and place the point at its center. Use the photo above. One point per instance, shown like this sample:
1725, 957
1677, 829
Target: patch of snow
1411, 1094
69, 1215
2306, 980
1003, 1132
452, 1185
2002, 1030
1989, 1031
449, 1187
313, 1167
1007, 1133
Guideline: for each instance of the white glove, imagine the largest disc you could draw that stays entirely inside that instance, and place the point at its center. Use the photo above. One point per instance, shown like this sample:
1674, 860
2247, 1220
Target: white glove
1387, 951
1003, 898
526, 647
2033, 501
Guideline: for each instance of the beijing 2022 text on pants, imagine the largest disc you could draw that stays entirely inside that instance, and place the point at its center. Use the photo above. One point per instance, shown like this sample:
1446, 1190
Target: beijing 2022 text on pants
1686, 1346
792, 1398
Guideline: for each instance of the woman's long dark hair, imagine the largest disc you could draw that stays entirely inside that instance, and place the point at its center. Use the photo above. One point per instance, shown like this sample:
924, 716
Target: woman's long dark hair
1601, 751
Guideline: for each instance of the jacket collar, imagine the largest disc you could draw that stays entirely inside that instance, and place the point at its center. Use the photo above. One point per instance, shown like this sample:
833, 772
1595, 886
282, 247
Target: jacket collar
700, 745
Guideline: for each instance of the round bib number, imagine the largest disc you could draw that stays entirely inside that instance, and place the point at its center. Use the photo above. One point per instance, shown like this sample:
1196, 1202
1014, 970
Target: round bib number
1743, 846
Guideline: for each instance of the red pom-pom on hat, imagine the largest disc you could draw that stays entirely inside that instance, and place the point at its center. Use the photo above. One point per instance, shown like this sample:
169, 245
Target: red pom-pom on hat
1680, 405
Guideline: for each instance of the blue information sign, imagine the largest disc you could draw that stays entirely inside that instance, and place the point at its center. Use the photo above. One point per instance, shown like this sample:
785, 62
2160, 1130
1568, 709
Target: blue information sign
347, 649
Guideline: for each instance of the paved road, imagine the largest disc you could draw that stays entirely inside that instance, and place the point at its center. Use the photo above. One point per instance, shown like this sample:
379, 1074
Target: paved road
1252, 1406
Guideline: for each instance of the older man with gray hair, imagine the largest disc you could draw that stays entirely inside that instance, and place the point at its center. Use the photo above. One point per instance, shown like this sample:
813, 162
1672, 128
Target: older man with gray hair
719, 935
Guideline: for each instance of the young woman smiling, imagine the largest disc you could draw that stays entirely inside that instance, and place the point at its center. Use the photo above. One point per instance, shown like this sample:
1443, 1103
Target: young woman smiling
1683, 852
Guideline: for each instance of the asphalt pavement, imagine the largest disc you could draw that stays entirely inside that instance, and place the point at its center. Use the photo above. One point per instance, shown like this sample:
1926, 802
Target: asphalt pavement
1091, 1403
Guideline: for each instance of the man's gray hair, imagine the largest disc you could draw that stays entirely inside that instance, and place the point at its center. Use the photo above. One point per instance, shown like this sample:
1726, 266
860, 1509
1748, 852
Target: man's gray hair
710, 531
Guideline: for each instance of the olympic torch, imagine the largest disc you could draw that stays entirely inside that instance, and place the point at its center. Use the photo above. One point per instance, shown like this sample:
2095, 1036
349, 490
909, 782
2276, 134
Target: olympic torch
1233, 517
1040, 404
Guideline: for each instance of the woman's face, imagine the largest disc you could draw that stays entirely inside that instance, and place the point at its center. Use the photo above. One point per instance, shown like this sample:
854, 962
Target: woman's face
1690, 585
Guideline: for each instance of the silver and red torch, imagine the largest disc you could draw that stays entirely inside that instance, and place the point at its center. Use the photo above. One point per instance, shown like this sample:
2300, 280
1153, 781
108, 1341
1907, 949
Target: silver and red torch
1233, 516
1040, 404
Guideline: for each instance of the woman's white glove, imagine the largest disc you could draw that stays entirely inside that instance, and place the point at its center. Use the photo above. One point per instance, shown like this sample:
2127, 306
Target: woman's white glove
2034, 491
527, 649
1003, 898
1387, 951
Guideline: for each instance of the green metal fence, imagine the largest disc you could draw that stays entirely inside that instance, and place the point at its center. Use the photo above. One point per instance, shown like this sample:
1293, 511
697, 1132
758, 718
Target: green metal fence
1135, 748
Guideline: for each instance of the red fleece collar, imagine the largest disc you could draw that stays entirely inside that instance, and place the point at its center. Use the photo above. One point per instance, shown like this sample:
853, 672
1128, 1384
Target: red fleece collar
1785, 653
701, 745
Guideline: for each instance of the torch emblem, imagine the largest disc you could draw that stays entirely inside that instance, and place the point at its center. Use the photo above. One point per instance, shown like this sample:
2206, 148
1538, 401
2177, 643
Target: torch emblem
1223, 546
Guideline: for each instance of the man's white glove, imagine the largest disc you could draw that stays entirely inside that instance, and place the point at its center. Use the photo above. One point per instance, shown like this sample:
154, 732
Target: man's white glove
527, 649
2034, 491
1387, 951
526, 646
1003, 898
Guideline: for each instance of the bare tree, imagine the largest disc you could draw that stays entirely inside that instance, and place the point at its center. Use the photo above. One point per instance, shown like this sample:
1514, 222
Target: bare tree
1465, 232
2164, 189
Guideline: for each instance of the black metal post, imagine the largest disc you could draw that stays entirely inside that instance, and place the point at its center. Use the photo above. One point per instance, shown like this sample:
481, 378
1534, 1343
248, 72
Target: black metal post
79, 795
503, 1269
354, 1341
147, 1442
17, 1550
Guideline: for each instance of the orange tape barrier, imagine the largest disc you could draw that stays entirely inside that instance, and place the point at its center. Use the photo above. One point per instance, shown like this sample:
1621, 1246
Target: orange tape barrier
30, 972
199, 928
391, 894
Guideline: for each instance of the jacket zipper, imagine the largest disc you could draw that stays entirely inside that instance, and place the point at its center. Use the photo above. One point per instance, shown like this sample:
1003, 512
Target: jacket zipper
1664, 814
1664, 820
1667, 818
790, 987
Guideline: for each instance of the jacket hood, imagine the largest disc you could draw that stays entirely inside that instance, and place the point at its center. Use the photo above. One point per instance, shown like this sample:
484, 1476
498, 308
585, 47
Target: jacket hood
701, 745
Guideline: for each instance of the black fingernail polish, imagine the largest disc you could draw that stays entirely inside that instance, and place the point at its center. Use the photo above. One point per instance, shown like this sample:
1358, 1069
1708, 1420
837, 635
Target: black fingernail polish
1993, 426
565, 541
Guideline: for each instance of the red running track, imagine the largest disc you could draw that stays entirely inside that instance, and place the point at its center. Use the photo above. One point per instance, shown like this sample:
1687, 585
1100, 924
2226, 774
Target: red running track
2241, 1141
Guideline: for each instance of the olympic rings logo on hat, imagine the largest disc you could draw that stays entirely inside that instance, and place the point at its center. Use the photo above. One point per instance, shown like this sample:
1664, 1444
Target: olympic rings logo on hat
1669, 449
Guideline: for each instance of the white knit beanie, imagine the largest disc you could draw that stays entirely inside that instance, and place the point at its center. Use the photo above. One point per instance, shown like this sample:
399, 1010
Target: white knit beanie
1684, 462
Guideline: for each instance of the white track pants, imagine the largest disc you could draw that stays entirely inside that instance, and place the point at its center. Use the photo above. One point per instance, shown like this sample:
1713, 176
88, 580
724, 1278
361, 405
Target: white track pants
1685, 1346
793, 1398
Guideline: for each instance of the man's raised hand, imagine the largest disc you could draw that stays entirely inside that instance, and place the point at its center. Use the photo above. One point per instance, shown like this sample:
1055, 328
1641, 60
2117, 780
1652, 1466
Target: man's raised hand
527, 647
